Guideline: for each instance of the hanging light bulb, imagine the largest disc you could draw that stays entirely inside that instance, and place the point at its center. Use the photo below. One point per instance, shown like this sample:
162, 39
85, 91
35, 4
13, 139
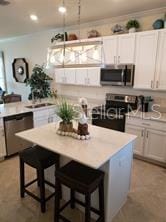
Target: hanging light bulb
72, 57
52, 58
62, 57
83, 55
96, 54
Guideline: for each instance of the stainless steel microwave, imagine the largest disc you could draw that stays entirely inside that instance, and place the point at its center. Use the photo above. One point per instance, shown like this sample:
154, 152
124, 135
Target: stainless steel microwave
123, 75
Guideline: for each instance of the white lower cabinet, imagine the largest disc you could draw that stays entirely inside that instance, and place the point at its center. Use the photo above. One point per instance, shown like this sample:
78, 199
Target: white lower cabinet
155, 145
151, 142
139, 132
43, 117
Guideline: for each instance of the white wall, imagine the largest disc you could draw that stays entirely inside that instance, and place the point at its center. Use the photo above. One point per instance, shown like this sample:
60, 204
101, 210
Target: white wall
34, 49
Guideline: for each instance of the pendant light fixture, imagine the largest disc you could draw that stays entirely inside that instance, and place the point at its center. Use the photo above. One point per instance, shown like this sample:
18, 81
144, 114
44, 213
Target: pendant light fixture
75, 54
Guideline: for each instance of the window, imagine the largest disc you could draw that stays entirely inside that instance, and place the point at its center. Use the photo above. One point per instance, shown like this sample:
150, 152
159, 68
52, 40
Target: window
2, 72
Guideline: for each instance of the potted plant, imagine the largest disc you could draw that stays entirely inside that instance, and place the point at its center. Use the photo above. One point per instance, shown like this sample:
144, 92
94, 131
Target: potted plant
67, 113
132, 25
39, 83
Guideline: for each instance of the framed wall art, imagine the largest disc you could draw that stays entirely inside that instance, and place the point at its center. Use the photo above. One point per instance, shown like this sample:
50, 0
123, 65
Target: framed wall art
20, 70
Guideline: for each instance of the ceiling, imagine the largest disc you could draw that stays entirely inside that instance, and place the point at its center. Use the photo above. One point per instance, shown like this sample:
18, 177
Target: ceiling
14, 18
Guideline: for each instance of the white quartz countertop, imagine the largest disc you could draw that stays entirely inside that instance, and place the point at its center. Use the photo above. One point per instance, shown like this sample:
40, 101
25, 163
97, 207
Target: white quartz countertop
103, 145
10, 109
155, 116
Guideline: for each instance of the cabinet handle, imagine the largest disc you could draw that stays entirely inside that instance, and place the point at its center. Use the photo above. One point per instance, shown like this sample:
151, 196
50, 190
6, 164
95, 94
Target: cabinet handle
157, 84
118, 60
147, 134
152, 84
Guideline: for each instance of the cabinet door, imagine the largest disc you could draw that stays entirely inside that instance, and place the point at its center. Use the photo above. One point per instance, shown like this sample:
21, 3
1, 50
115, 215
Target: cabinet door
126, 49
139, 132
81, 76
70, 76
110, 50
146, 49
2, 143
60, 75
155, 146
161, 62
94, 76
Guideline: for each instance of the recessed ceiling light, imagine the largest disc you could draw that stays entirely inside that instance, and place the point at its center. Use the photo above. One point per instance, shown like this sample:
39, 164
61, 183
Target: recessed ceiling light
33, 17
62, 9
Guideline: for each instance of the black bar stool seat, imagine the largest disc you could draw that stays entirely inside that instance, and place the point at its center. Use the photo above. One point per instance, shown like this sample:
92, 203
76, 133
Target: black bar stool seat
82, 179
40, 159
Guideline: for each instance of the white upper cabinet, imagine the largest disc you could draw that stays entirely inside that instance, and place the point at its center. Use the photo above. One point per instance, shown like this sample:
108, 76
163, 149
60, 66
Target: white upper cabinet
60, 76
81, 76
126, 49
110, 50
70, 76
88, 77
161, 62
119, 49
146, 51
94, 76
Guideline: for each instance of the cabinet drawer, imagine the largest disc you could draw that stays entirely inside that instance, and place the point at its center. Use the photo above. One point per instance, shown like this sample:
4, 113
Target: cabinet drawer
152, 124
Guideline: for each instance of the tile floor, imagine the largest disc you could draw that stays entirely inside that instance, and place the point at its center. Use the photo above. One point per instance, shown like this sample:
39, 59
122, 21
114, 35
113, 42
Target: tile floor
146, 201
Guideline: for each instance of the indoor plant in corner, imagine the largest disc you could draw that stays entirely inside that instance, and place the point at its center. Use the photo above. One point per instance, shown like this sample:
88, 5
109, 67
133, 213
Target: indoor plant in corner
132, 26
39, 83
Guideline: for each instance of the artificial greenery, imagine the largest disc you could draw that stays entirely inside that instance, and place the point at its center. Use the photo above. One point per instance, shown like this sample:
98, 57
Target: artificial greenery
39, 83
132, 24
66, 111
59, 36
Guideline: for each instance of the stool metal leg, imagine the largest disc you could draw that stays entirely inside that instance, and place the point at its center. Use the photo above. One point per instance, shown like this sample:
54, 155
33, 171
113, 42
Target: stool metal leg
22, 178
57, 201
87, 207
101, 201
72, 197
42, 190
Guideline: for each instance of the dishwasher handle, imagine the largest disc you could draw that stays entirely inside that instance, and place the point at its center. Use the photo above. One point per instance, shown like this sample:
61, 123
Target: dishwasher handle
18, 116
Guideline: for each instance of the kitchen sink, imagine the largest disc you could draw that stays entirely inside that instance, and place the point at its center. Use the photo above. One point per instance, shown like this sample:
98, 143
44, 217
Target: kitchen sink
39, 105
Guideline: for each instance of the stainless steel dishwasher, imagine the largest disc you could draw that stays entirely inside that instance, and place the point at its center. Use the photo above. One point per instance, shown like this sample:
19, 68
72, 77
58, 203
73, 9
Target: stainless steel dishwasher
14, 124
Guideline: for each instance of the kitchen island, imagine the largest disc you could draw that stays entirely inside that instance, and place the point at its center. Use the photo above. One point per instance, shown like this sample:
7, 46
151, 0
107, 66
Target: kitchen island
109, 150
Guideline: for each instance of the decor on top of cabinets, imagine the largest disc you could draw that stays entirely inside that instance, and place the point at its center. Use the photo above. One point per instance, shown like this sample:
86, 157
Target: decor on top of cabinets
132, 26
93, 34
20, 70
60, 37
39, 83
118, 29
76, 54
72, 37
158, 24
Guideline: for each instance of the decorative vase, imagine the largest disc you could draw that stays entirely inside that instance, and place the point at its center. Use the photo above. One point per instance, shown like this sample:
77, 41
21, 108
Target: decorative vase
66, 127
132, 30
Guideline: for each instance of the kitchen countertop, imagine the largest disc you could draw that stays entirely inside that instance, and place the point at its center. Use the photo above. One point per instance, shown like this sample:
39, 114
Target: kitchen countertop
20, 107
103, 145
155, 116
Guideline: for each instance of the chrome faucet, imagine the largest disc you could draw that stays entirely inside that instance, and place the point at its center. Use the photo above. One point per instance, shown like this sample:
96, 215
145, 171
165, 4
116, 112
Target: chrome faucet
33, 96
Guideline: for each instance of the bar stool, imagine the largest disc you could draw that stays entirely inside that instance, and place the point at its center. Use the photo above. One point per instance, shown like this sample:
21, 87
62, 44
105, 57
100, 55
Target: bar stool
40, 159
82, 179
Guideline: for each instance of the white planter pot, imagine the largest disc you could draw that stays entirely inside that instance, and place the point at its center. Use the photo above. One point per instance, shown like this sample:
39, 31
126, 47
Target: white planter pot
132, 30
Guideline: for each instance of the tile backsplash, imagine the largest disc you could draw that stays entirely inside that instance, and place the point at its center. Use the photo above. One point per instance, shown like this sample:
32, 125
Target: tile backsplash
98, 93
